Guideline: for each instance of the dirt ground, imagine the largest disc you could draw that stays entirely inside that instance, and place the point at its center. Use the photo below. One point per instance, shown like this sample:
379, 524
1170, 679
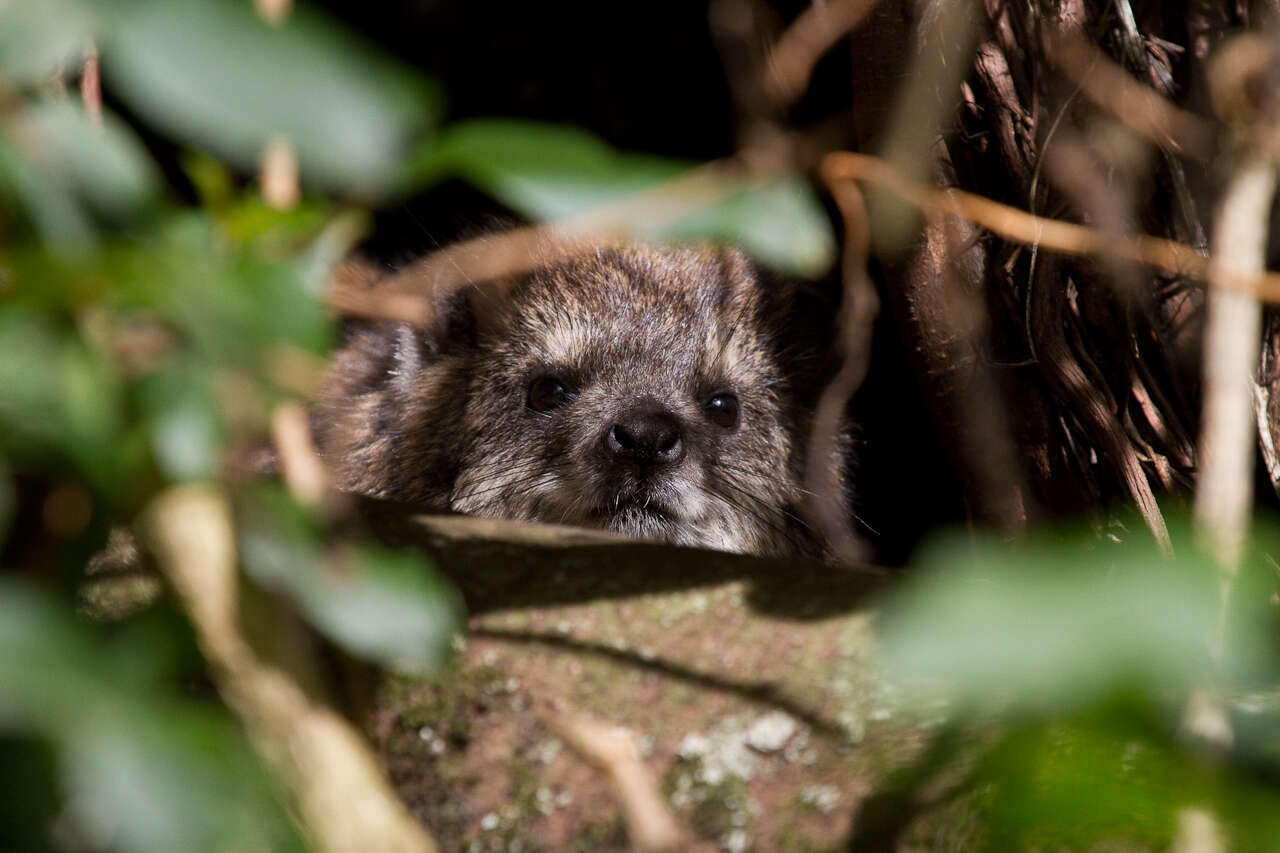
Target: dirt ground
758, 712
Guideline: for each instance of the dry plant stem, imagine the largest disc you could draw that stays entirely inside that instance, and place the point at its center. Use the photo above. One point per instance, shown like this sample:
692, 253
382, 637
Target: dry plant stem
859, 307
1233, 330
304, 474
342, 799
650, 824
1139, 108
1051, 234
810, 36
1198, 832
274, 12
278, 174
91, 83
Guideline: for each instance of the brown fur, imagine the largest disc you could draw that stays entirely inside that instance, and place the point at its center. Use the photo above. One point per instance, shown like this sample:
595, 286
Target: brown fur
443, 419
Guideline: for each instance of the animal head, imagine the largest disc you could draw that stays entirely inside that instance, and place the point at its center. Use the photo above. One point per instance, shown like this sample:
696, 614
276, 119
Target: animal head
642, 390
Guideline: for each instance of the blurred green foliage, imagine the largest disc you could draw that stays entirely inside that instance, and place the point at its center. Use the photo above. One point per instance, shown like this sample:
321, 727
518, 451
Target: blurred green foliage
142, 767
552, 173
141, 338
1081, 654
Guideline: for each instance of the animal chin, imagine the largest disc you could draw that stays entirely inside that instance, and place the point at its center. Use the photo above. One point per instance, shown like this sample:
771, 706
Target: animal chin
643, 519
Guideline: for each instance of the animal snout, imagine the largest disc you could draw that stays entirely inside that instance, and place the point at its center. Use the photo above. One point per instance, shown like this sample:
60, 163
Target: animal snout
645, 438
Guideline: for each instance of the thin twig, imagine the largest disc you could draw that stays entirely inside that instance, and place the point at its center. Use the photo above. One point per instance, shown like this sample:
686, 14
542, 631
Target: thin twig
304, 474
91, 84
807, 40
1233, 329
413, 294
274, 12
278, 174
824, 503
650, 824
1054, 235
345, 803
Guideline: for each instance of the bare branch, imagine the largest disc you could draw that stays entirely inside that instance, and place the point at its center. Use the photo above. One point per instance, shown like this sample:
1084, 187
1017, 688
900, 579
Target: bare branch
650, 824
1054, 235
304, 473
807, 40
278, 174
344, 802
274, 12
859, 307
1233, 329
412, 294
91, 83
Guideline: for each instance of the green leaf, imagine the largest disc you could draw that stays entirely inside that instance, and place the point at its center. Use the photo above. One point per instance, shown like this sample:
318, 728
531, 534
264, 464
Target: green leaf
38, 37
387, 606
62, 403
543, 171
102, 162
183, 421
60, 167
212, 73
46, 665
53, 210
1067, 784
144, 768
778, 220
550, 173
170, 777
1058, 624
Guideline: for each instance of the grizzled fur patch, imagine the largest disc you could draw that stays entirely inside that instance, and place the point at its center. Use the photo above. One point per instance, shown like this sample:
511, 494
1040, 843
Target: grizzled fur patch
650, 391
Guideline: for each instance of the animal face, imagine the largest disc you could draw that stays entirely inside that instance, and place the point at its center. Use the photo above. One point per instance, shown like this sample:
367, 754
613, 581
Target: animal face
641, 390
636, 390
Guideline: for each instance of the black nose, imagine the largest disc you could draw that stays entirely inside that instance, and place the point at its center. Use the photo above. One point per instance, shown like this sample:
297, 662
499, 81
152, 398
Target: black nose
646, 438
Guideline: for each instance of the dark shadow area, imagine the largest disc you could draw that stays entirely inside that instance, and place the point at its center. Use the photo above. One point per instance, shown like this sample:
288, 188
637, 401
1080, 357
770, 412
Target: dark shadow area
510, 565
883, 817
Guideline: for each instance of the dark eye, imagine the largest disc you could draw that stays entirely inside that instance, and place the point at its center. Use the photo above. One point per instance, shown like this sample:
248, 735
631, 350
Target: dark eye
722, 410
547, 393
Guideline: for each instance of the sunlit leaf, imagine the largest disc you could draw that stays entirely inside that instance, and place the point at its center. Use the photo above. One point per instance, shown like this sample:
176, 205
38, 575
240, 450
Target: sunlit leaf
778, 220
214, 74
548, 173
544, 171
254, 221
387, 606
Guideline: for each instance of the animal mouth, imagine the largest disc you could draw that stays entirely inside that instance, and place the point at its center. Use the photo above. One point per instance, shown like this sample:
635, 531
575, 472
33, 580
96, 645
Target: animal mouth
637, 515
637, 507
